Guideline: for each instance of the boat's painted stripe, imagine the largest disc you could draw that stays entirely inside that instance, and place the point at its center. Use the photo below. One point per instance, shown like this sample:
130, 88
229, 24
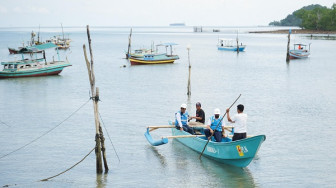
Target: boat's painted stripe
38, 72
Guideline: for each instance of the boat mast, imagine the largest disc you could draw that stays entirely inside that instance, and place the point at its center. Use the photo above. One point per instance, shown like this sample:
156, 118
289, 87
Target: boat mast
62, 31
237, 43
189, 87
129, 44
38, 35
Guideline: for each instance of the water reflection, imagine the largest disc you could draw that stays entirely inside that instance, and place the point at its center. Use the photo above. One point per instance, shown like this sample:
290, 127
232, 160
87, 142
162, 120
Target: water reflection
101, 180
158, 155
222, 175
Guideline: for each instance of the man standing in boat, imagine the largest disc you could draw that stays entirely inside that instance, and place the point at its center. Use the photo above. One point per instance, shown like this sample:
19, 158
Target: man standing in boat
181, 120
239, 121
215, 126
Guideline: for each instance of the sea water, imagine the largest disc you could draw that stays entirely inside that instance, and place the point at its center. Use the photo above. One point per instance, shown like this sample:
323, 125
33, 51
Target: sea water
293, 104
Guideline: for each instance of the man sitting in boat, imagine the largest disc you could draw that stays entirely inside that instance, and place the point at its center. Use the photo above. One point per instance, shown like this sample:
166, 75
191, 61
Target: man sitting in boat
215, 126
200, 115
239, 121
181, 120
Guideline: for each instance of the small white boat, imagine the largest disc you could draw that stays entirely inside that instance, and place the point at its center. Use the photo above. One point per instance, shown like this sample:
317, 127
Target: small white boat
229, 45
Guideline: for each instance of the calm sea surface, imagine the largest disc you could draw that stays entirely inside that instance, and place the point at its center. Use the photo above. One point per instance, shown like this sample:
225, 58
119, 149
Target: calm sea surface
293, 104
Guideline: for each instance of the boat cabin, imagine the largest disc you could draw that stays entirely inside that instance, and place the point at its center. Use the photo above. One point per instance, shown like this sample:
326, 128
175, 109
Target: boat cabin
302, 47
227, 42
166, 45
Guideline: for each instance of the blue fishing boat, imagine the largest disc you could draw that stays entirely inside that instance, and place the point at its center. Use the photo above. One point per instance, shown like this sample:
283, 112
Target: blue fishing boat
300, 51
155, 58
229, 45
33, 67
238, 153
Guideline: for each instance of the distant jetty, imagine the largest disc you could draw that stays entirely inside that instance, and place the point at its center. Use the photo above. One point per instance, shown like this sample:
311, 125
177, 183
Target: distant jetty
296, 31
177, 24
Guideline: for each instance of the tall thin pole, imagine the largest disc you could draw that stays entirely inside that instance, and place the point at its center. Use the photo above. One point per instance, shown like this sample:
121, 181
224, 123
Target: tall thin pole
237, 43
129, 45
99, 138
62, 32
287, 56
189, 87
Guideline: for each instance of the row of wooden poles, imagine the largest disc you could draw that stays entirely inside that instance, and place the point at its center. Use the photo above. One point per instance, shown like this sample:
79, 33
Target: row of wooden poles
99, 137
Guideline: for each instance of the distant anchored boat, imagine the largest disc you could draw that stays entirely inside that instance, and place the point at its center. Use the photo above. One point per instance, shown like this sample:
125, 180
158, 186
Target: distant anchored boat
155, 58
33, 67
25, 49
299, 52
177, 24
229, 45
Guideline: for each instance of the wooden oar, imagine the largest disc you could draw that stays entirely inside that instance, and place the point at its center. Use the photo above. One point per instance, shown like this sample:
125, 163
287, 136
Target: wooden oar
182, 136
217, 126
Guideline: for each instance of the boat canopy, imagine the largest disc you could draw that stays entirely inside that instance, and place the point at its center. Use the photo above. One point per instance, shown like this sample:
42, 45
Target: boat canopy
167, 44
224, 39
300, 44
41, 47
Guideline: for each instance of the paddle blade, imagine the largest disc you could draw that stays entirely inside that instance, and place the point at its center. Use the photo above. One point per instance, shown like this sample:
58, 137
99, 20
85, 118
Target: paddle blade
155, 143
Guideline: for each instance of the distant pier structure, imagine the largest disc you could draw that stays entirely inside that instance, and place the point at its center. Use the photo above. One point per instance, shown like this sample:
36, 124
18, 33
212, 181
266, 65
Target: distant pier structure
201, 29
198, 29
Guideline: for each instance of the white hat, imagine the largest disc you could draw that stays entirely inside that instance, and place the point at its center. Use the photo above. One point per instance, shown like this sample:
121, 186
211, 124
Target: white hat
217, 111
183, 105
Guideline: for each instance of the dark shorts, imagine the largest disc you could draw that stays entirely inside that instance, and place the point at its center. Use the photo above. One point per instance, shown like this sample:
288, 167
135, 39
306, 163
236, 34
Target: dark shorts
217, 135
238, 136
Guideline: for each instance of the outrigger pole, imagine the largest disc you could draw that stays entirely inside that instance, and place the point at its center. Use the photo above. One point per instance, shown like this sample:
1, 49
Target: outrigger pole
100, 146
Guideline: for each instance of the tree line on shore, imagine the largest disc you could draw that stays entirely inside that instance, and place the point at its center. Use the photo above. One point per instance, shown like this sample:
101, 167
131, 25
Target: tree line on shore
313, 17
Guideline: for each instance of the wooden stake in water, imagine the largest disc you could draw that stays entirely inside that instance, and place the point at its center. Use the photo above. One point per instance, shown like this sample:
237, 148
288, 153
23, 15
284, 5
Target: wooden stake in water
189, 87
287, 56
100, 147
129, 45
237, 43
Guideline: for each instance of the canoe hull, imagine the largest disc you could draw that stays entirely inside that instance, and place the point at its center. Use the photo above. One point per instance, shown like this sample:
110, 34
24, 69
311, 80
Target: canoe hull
231, 48
238, 153
298, 54
150, 62
33, 73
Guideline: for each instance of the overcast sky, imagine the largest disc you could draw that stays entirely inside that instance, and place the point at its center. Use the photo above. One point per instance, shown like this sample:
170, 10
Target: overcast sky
16, 13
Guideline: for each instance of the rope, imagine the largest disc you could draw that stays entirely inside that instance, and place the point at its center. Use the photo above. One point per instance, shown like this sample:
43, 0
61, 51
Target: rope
108, 135
45, 132
46, 179
4, 123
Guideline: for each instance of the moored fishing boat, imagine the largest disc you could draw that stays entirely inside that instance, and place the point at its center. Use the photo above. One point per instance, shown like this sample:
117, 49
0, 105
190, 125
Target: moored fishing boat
33, 67
299, 52
155, 58
228, 45
21, 50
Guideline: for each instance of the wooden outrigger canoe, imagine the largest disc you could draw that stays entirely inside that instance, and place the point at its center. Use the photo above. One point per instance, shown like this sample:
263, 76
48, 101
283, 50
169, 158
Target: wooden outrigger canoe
238, 153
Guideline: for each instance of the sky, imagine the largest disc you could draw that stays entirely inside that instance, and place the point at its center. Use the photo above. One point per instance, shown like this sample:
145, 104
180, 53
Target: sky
47, 13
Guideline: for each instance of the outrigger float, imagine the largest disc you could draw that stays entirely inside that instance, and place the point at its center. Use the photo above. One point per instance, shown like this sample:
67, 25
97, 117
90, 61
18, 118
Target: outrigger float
34, 67
238, 153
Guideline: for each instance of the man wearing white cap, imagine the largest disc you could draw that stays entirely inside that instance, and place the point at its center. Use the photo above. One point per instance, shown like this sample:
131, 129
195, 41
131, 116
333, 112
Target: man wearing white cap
181, 120
215, 126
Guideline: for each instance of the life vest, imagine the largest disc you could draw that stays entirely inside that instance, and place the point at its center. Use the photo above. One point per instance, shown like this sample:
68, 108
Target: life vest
184, 118
214, 123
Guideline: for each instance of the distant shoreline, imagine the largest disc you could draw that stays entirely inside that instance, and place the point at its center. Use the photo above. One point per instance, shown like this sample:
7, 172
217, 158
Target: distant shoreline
295, 31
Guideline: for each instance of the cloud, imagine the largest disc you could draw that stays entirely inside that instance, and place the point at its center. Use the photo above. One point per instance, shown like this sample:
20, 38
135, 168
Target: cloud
3, 10
31, 10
